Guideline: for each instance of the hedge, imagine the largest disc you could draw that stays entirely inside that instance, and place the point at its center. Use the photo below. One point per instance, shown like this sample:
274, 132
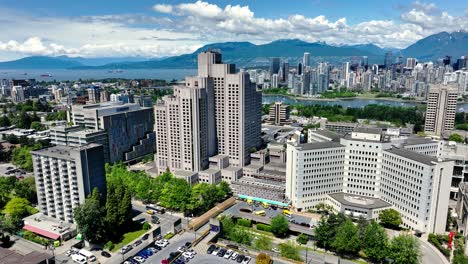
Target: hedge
244, 222
35, 238
435, 240
264, 227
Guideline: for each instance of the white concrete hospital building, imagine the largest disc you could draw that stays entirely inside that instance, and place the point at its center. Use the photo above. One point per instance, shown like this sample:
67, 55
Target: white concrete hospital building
367, 172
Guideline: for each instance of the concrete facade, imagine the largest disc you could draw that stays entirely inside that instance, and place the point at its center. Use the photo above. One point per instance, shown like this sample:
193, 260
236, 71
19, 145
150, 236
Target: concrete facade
441, 109
129, 127
65, 176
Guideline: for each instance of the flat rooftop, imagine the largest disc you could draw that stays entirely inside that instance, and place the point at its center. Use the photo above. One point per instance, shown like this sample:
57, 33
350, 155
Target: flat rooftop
327, 133
418, 141
359, 201
412, 155
62, 152
368, 130
10, 256
319, 145
209, 171
47, 226
182, 173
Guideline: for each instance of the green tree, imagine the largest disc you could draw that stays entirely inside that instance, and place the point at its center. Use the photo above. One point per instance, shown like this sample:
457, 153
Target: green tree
302, 239
22, 158
263, 258
23, 120
263, 243
346, 240
90, 219
223, 189
125, 208
241, 236
176, 194
5, 121
112, 208
18, 208
390, 218
375, 242
404, 249
26, 188
457, 138
279, 225
37, 126
290, 250
6, 185
322, 233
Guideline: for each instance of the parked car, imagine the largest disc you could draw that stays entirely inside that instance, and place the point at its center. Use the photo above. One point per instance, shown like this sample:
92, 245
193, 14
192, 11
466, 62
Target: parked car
132, 261
78, 258
222, 252
188, 244
275, 250
234, 255
145, 237
105, 254
210, 249
246, 260
181, 249
240, 258
216, 250
125, 249
152, 249
157, 247
228, 254
137, 243
139, 259
188, 255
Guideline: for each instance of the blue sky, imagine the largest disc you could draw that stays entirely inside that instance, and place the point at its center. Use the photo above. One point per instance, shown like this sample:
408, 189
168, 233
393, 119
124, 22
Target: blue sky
151, 28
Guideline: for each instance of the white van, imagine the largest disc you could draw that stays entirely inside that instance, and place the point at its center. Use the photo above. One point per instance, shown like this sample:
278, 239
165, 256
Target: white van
88, 255
78, 258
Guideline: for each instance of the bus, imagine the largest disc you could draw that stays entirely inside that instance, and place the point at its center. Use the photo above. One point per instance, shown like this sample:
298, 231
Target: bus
88, 255
262, 213
155, 208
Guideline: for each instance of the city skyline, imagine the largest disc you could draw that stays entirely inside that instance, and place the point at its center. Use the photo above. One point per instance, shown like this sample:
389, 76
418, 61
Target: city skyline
161, 28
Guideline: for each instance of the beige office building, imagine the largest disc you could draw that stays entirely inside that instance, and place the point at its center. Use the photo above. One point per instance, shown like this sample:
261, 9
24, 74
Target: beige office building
237, 108
441, 109
183, 127
217, 112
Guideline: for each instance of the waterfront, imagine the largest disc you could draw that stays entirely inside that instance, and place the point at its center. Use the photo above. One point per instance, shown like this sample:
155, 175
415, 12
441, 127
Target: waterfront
179, 74
94, 74
349, 102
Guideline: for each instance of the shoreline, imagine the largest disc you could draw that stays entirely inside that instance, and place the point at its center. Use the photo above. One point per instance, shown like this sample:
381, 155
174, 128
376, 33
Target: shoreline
302, 98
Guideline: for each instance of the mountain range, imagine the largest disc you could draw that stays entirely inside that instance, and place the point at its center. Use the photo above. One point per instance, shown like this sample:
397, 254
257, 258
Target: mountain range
246, 54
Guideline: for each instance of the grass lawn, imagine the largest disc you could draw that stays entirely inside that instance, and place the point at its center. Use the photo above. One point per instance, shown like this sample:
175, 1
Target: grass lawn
128, 237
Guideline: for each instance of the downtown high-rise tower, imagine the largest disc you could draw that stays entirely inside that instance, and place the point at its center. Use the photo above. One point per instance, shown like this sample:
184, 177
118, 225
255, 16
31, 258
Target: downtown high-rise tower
214, 113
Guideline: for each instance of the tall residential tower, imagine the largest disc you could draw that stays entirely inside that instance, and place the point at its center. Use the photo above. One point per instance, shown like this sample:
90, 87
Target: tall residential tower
441, 109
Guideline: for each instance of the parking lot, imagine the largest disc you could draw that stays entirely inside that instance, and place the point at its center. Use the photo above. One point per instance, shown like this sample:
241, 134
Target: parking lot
211, 259
270, 213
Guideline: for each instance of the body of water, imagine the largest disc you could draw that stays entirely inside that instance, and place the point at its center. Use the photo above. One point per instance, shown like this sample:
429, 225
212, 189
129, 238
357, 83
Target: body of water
179, 74
73, 75
352, 102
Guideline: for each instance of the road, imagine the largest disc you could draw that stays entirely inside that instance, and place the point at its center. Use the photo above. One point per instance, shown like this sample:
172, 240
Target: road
430, 254
172, 247
166, 220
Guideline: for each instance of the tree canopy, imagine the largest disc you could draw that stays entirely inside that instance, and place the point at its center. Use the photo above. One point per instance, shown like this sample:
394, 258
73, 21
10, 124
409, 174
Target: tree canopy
279, 225
390, 218
346, 239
